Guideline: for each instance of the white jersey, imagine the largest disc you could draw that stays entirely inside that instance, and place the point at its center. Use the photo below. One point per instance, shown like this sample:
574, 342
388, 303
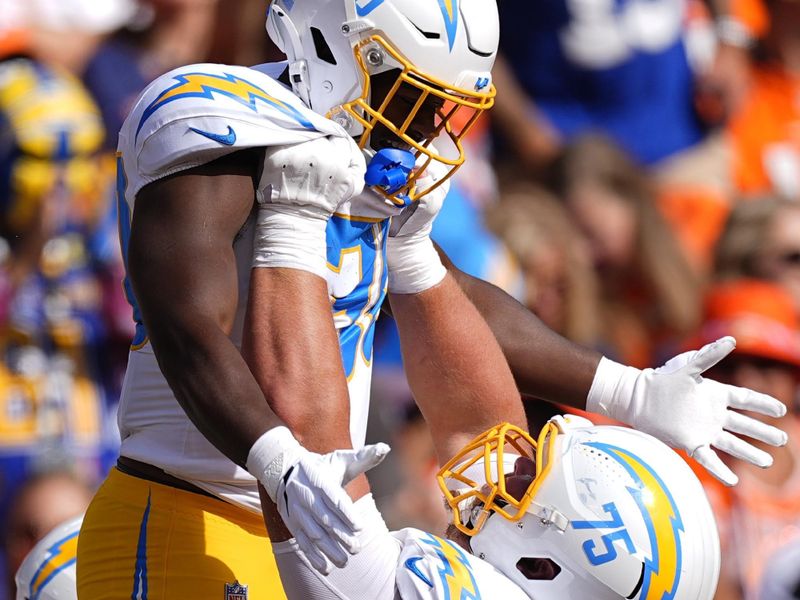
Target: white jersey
186, 118
409, 564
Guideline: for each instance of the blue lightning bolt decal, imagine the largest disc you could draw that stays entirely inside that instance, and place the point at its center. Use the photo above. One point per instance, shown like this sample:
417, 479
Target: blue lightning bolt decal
456, 572
450, 13
367, 8
662, 571
60, 556
207, 85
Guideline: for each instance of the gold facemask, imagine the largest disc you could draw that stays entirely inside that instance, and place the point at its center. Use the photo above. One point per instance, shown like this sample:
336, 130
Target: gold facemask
491, 496
456, 112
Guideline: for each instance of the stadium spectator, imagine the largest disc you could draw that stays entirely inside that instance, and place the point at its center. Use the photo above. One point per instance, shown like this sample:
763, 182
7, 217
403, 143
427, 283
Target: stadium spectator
46, 500
762, 240
620, 68
781, 578
765, 132
162, 35
560, 285
763, 511
649, 294
64, 33
54, 403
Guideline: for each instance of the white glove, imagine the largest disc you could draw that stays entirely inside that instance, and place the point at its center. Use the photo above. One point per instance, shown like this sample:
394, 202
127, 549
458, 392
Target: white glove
301, 186
678, 406
411, 258
308, 490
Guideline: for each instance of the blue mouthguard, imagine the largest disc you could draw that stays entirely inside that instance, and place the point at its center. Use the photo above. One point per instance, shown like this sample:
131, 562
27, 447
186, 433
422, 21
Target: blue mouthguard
389, 169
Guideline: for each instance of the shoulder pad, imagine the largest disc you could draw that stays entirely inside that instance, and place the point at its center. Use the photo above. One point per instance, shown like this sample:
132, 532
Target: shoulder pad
197, 113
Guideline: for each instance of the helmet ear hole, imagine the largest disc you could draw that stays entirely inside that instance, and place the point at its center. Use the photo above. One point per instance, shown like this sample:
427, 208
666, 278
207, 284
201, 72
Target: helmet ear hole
322, 48
538, 568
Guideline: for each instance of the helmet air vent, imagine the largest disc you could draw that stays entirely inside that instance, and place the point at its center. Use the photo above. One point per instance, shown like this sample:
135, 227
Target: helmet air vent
429, 35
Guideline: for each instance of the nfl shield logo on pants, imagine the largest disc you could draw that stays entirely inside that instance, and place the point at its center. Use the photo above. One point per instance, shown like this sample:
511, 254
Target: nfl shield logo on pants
235, 591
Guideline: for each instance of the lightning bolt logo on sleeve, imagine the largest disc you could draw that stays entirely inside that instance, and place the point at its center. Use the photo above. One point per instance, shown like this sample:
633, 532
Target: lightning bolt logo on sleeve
455, 572
207, 85
60, 556
662, 571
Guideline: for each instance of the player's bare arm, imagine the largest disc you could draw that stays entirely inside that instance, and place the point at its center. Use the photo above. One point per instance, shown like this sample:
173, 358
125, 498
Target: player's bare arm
452, 360
182, 267
675, 403
291, 345
545, 365
292, 348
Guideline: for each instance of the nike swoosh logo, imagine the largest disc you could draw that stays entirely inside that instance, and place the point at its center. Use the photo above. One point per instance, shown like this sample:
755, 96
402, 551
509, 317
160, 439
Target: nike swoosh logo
228, 139
411, 565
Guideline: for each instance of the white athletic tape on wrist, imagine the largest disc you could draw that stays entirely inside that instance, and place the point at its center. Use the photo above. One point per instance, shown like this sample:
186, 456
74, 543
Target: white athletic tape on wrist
288, 237
612, 390
266, 458
414, 265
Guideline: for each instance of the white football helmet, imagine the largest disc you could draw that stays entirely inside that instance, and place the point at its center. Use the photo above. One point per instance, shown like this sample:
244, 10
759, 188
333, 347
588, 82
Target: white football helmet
440, 48
610, 513
48, 572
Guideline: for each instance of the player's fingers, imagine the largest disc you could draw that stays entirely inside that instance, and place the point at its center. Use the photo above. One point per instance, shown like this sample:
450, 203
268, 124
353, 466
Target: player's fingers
714, 465
745, 399
332, 550
710, 354
727, 442
314, 556
341, 516
307, 519
362, 460
739, 423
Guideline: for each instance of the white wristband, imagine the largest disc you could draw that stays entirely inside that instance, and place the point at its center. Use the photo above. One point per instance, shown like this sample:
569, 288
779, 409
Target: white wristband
414, 265
267, 459
287, 237
612, 390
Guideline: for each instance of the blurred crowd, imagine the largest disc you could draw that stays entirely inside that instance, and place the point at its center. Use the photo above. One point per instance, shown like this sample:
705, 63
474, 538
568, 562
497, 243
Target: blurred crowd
637, 186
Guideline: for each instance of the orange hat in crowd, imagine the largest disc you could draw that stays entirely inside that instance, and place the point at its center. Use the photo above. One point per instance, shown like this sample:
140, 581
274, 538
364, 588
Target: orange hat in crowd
13, 41
759, 314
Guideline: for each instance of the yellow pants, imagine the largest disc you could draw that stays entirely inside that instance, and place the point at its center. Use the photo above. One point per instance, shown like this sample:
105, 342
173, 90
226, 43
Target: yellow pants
145, 541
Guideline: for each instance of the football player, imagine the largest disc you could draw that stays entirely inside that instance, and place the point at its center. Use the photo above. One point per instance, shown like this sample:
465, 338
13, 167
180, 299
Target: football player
222, 168
585, 512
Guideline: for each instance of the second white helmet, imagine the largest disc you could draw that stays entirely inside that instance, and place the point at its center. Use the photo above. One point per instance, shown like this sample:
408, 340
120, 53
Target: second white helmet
611, 513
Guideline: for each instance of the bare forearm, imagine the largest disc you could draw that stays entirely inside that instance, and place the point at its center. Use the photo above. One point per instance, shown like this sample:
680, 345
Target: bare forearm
545, 364
303, 381
454, 365
213, 385
183, 270
291, 346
